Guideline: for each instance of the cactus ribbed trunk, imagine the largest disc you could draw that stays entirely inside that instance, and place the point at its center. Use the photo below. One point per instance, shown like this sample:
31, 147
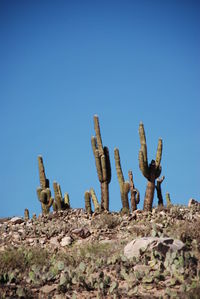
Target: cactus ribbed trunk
149, 195
104, 196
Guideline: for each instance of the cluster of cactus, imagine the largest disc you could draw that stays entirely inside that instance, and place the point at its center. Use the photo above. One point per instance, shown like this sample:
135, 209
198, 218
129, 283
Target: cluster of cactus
91, 195
44, 192
60, 203
126, 186
150, 171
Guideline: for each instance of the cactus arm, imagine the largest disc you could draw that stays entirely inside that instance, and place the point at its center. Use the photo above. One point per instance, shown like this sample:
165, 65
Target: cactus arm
59, 190
43, 180
94, 200
143, 167
159, 153
108, 165
118, 167
98, 135
104, 169
143, 144
58, 199
98, 166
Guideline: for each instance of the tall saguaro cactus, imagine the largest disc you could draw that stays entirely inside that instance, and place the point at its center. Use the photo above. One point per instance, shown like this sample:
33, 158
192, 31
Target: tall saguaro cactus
124, 185
150, 171
43, 192
103, 166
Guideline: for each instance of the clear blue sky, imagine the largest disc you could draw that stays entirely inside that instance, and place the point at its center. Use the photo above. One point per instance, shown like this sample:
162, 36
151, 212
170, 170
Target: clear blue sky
61, 62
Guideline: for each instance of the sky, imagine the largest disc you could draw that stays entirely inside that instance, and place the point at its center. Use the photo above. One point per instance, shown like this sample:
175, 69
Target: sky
62, 62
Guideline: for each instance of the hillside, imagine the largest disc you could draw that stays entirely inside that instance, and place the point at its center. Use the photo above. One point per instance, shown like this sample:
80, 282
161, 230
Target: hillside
70, 254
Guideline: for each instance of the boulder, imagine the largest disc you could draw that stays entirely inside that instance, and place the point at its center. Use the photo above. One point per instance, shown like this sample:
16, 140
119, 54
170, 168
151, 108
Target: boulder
135, 247
16, 220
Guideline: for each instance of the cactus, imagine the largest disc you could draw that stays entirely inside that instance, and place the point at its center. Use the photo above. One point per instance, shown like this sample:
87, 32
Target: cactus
103, 166
26, 214
159, 191
60, 203
168, 200
96, 204
43, 192
124, 185
88, 207
135, 194
88, 196
150, 171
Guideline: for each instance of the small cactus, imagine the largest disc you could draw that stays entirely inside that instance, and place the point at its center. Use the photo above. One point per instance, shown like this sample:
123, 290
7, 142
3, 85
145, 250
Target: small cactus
26, 214
135, 194
168, 200
103, 166
124, 185
43, 192
88, 207
88, 196
150, 171
60, 203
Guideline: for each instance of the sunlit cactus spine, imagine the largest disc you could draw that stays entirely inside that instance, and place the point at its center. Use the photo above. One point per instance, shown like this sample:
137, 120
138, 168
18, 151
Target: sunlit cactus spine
103, 166
26, 215
135, 194
150, 171
60, 203
124, 185
43, 192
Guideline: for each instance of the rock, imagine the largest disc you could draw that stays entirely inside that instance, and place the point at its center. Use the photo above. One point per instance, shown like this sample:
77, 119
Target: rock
54, 241
82, 232
192, 202
48, 288
16, 220
66, 241
134, 248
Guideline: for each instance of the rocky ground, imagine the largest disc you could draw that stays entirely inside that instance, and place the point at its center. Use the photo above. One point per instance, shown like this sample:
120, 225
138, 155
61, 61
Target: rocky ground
71, 254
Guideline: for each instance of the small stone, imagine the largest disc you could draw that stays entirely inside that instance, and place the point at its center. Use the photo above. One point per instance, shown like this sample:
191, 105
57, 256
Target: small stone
66, 241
